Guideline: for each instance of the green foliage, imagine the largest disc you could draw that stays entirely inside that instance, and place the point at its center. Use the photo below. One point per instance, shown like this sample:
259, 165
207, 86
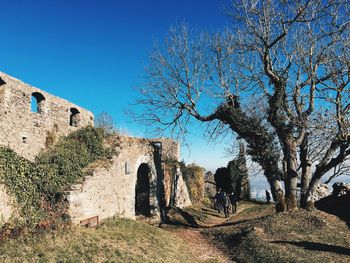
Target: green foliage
18, 175
39, 187
194, 179
67, 159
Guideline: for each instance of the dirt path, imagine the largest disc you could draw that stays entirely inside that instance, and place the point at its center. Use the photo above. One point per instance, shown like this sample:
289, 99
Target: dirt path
190, 224
201, 246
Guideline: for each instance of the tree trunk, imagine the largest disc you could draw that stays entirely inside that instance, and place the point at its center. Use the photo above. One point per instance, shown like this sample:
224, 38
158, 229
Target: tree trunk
273, 179
324, 166
310, 201
292, 176
314, 183
305, 182
279, 120
305, 170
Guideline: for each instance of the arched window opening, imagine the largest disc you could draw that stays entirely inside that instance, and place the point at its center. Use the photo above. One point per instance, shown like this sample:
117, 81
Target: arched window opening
142, 193
2, 82
74, 117
37, 102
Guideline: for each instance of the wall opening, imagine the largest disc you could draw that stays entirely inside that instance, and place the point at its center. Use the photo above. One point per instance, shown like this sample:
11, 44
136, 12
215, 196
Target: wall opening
37, 102
74, 118
2, 82
142, 193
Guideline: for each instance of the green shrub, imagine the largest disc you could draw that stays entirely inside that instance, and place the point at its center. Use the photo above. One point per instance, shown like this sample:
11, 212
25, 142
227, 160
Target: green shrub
39, 187
67, 159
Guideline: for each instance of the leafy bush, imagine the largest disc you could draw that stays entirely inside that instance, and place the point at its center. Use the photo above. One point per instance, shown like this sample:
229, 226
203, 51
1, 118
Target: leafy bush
39, 187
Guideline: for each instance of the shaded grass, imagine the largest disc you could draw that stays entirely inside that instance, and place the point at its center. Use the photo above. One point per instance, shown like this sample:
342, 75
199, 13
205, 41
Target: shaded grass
116, 240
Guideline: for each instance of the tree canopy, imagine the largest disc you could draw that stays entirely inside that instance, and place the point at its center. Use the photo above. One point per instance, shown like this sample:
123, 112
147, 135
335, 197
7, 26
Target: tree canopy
278, 77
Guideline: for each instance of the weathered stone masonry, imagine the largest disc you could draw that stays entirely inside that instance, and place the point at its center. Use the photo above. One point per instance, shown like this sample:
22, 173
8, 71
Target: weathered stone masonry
28, 132
134, 181
111, 191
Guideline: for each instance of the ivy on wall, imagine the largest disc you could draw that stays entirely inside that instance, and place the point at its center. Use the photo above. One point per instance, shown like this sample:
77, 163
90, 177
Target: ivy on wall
39, 187
18, 175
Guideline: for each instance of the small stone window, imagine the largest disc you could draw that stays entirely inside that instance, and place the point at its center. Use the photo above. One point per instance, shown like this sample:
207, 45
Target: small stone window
24, 139
37, 102
74, 119
2, 82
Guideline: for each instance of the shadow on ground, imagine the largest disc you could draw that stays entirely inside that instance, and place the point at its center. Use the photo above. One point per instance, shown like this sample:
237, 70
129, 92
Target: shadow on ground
189, 219
209, 212
317, 246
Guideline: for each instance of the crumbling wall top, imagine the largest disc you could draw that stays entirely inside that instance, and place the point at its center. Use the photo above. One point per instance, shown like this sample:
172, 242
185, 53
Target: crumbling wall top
28, 115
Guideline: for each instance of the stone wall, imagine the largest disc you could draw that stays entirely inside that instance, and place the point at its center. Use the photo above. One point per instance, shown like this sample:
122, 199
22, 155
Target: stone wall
193, 176
175, 188
7, 205
27, 131
110, 190
209, 185
181, 194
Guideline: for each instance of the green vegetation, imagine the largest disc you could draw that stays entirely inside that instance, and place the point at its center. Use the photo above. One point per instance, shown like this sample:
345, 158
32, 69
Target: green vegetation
18, 175
255, 234
194, 179
116, 240
39, 186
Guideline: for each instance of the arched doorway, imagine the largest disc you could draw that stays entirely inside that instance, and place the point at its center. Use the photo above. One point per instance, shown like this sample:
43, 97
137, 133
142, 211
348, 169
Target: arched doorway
142, 193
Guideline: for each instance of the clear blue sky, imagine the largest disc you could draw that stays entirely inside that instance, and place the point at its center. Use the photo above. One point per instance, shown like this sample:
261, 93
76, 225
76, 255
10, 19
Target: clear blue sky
93, 52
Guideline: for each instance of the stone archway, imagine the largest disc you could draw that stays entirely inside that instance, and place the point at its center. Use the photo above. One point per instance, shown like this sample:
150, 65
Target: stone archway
142, 191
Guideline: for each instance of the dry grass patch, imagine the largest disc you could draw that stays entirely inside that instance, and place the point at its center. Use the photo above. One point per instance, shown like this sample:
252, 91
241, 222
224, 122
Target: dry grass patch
117, 240
299, 236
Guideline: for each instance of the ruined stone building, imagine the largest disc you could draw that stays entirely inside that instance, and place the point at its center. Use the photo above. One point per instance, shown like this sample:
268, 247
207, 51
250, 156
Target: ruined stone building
28, 115
133, 183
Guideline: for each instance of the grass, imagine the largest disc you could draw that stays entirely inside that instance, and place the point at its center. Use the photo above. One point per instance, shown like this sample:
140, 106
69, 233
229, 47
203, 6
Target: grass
255, 234
258, 234
116, 240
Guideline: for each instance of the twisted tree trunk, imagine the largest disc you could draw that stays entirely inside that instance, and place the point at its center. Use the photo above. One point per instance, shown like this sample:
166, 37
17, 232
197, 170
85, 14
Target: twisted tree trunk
305, 171
260, 142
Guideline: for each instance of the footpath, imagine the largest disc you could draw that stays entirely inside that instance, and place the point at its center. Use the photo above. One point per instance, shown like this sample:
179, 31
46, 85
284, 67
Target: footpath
189, 224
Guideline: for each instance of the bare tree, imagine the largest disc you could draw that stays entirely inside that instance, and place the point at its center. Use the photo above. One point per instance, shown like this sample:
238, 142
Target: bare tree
287, 58
105, 121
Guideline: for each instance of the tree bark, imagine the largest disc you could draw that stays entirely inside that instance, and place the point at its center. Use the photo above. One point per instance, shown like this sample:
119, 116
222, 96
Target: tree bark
310, 201
279, 119
292, 177
305, 182
305, 171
